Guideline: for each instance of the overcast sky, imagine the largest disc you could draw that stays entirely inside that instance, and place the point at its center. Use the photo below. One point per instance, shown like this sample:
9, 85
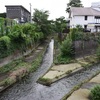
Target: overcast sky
56, 8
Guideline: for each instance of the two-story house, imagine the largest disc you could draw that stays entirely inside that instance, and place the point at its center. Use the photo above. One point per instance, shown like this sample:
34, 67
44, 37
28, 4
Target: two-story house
87, 17
18, 13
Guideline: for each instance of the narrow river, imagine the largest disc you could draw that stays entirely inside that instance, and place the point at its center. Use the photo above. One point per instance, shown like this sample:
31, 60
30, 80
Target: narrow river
29, 89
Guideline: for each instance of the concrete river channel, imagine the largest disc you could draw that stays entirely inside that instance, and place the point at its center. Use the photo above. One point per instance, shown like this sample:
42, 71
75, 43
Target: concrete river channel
29, 89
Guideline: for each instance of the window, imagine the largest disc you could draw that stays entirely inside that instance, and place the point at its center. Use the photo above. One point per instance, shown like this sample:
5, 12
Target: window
86, 17
85, 27
97, 17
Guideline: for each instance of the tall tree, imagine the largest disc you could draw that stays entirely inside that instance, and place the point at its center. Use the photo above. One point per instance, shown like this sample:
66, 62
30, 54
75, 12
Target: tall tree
73, 3
40, 18
60, 25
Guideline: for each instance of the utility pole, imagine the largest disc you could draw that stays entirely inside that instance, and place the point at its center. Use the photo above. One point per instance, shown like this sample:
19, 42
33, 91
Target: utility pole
30, 13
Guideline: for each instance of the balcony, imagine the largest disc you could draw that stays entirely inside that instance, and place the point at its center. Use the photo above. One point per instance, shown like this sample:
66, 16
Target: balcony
93, 24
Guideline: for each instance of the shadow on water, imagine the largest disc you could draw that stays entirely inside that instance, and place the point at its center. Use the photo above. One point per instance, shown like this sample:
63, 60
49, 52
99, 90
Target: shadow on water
28, 89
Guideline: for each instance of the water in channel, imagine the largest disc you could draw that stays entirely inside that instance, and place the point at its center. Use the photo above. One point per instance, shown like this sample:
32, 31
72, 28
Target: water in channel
29, 89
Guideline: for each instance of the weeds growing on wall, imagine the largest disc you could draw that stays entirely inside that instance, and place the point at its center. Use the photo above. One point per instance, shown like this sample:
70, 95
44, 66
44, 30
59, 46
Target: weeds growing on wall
17, 37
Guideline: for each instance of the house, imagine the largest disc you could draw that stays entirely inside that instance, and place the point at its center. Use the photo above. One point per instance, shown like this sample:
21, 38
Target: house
18, 13
87, 17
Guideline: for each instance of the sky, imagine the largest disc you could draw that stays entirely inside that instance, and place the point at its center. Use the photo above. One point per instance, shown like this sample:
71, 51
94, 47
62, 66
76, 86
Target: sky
56, 8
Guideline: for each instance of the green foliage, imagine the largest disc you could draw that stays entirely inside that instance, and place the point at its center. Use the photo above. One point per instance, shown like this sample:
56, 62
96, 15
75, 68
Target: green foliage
44, 79
73, 3
6, 40
3, 15
98, 38
66, 52
40, 18
95, 93
24, 35
76, 33
5, 43
73, 33
86, 36
98, 52
11, 66
79, 27
66, 48
62, 59
78, 36
5, 25
18, 36
60, 24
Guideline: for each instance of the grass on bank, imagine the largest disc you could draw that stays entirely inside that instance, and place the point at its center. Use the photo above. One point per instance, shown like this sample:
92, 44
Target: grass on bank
45, 81
95, 93
15, 66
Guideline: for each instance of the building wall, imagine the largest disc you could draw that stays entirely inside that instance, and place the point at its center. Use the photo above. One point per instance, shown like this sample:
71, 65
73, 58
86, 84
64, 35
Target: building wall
19, 13
13, 12
25, 15
90, 22
80, 20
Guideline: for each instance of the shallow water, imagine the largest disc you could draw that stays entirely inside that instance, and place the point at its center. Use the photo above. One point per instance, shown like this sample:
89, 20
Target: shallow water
29, 89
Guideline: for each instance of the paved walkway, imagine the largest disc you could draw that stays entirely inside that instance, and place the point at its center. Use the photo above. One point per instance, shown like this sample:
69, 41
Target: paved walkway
84, 92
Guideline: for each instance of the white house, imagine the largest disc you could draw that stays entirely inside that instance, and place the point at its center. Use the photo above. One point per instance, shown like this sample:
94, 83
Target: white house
87, 17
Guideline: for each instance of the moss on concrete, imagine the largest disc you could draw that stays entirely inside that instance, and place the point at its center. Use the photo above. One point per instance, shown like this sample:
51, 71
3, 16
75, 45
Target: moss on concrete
20, 70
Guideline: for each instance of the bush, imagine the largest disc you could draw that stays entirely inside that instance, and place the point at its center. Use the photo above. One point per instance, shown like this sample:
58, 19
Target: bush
66, 48
5, 43
95, 93
87, 36
76, 33
62, 60
79, 36
18, 36
73, 32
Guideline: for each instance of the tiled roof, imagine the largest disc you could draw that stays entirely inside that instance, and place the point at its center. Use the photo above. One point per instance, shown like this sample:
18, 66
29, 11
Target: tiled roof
84, 11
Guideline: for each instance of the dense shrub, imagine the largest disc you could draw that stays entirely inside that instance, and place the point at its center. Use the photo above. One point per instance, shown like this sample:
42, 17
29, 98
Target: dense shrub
76, 33
62, 60
78, 36
79, 27
65, 52
18, 37
66, 47
73, 32
87, 36
5, 25
95, 93
5, 43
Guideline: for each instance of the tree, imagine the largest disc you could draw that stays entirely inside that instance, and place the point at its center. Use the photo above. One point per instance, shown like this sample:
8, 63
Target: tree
73, 3
60, 25
3, 15
40, 18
